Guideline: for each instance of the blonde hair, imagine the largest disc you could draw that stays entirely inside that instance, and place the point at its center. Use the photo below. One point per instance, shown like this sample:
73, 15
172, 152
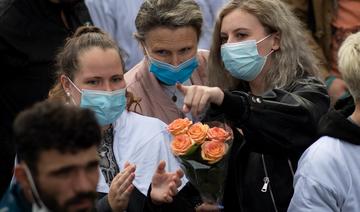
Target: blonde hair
349, 64
167, 13
292, 60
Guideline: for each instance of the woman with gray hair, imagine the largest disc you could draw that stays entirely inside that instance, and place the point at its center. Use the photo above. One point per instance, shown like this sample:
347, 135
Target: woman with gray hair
266, 88
168, 32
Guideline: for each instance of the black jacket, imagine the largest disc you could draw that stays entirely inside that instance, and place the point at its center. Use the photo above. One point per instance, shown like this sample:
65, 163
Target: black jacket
31, 32
277, 128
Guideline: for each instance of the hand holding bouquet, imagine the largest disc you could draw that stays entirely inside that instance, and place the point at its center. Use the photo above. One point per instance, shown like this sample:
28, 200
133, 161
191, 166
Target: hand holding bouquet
202, 152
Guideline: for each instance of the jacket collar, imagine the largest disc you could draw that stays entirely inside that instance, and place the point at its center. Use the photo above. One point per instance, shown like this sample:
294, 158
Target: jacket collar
336, 124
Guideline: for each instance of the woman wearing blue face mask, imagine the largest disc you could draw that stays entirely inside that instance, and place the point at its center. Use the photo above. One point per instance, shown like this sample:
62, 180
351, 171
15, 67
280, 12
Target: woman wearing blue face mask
168, 32
264, 83
90, 75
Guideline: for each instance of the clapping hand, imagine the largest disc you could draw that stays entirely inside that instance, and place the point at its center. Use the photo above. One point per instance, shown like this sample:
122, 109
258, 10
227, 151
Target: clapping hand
121, 188
165, 184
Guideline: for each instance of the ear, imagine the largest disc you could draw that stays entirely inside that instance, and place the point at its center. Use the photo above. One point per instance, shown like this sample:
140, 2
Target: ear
65, 83
276, 43
143, 47
22, 179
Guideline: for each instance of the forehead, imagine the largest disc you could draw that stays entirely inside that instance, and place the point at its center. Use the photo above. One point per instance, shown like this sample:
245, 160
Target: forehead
169, 38
52, 160
99, 62
240, 19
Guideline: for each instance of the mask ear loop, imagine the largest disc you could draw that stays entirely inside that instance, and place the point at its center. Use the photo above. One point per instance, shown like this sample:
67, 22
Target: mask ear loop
68, 94
34, 191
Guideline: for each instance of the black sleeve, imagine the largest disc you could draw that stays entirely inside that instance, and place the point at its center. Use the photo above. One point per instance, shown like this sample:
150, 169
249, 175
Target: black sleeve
136, 202
282, 120
185, 201
102, 203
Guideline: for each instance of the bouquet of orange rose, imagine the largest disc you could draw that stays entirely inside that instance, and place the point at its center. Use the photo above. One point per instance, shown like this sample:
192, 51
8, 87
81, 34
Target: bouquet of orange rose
202, 151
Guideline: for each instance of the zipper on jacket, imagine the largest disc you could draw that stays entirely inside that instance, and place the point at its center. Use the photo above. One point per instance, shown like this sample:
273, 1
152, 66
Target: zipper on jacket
267, 185
291, 168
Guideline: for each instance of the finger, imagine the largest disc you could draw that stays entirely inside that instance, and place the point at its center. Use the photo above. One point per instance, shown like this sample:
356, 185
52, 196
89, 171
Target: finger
172, 189
196, 101
179, 173
126, 194
126, 164
161, 167
123, 176
183, 89
168, 199
124, 185
188, 98
203, 102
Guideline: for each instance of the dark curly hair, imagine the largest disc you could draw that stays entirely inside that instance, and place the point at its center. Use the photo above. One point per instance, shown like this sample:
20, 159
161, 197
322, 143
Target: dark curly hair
54, 126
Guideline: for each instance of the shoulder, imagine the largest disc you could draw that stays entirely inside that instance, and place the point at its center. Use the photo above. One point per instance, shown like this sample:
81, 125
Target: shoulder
135, 73
323, 162
141, 123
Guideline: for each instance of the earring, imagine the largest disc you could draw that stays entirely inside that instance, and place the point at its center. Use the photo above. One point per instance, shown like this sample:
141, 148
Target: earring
68, 94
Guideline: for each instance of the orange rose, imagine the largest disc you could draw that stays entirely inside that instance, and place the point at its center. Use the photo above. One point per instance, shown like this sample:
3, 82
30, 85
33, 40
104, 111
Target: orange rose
219, 134
179, 126
198, 132
182, 145
213, 151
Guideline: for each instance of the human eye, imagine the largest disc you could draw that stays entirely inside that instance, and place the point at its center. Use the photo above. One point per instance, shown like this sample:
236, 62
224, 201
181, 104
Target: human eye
162, 52
63, 173
117, 79
240, 35
92, 82
185, 50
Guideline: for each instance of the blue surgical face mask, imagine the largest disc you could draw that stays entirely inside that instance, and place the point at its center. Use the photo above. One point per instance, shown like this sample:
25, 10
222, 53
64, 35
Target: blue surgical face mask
170, 74
242, 59
107, 105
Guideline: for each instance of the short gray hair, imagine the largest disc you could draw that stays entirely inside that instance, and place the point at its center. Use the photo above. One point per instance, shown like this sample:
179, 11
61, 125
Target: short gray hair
349, 64
167, 13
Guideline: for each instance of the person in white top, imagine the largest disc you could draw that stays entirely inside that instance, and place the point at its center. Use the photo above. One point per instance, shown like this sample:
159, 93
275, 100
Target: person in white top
90, 74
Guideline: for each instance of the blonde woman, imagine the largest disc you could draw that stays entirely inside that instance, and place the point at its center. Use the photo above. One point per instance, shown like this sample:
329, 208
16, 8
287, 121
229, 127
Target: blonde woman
264, 83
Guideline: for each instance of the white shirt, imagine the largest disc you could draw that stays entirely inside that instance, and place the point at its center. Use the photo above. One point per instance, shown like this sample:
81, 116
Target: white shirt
143, 141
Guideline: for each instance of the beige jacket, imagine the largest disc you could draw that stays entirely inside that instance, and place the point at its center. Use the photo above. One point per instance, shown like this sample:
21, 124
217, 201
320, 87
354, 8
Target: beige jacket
154, 101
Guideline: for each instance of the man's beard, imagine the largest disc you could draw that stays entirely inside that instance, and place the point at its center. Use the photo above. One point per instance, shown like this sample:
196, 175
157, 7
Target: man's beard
51, 203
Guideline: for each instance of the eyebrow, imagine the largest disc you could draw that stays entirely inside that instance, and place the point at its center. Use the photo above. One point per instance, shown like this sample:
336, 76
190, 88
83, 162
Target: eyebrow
66, 169
237, 29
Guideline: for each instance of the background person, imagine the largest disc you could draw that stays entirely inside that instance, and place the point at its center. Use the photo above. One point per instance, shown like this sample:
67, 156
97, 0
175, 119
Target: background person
168, 32
327, 177
30, 34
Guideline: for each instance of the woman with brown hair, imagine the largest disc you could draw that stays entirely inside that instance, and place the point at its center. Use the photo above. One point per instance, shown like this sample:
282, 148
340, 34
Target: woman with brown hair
91, 75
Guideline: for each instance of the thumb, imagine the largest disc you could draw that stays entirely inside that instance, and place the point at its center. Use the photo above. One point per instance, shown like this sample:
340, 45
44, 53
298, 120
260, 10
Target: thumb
182, 88
161, 167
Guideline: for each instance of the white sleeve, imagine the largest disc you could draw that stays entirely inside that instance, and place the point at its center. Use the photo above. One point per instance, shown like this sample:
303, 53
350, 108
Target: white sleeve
310, 196
101, 15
